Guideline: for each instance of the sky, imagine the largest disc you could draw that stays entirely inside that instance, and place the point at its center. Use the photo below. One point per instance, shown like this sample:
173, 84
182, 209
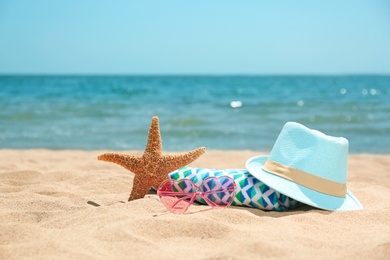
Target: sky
194, 37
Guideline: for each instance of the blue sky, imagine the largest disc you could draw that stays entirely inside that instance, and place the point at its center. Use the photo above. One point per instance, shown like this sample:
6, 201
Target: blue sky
194, 37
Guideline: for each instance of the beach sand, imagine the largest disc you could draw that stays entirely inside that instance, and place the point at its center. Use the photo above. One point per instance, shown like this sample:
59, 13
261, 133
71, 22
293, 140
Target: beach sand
66, 204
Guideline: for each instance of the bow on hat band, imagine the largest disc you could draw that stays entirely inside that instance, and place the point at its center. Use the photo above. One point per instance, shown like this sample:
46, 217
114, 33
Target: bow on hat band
306, 179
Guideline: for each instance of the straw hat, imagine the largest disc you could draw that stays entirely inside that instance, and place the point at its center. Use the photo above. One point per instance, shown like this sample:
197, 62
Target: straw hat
308, 166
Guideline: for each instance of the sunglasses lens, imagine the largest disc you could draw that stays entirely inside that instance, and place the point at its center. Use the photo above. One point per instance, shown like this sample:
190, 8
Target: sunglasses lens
219, 192
177, 195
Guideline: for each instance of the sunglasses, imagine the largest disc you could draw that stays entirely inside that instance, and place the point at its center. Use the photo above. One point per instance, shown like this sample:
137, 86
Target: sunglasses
178, 195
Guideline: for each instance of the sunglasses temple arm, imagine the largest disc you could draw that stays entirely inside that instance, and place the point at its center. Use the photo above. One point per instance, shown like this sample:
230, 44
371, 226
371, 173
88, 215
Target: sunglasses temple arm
210, 202
174, 193
189, 203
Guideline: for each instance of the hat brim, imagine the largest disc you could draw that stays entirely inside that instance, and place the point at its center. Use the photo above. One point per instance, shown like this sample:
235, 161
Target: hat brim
298, 192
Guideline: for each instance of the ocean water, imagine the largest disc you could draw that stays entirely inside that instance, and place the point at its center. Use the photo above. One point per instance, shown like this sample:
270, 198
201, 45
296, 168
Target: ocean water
218, 112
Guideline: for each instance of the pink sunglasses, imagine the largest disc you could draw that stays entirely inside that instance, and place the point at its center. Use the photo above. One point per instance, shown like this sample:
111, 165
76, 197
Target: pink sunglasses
177, 196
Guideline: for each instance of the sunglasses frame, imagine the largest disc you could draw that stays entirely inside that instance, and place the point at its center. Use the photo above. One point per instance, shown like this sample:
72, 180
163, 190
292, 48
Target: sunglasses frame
197, 192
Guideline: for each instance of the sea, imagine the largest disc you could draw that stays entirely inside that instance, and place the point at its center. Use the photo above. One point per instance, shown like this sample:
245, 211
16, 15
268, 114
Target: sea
217, 112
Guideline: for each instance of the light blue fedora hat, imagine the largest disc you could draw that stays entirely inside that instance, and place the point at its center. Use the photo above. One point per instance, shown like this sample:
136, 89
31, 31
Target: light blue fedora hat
308, 166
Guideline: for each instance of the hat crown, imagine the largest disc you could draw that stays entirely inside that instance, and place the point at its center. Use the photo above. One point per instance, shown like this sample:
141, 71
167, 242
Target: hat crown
312, 152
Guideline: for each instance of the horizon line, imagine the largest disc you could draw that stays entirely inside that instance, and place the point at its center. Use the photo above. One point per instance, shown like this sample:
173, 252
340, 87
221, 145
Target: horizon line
191, 74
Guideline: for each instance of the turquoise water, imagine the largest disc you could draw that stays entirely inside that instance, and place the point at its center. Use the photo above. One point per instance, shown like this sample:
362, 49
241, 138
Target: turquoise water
218, 112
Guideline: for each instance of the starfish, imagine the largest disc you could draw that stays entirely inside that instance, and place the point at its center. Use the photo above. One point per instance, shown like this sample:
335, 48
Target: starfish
152, 168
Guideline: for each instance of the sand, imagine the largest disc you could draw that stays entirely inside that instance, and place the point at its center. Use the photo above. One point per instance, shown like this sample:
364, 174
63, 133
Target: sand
66, 204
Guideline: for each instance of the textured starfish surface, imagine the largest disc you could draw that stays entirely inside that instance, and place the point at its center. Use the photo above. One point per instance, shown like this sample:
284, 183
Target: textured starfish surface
152, 168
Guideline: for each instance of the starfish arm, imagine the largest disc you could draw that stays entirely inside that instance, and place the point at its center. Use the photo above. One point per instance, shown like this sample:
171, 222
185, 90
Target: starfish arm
173, 162
131, 163
141, 186
154, 145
